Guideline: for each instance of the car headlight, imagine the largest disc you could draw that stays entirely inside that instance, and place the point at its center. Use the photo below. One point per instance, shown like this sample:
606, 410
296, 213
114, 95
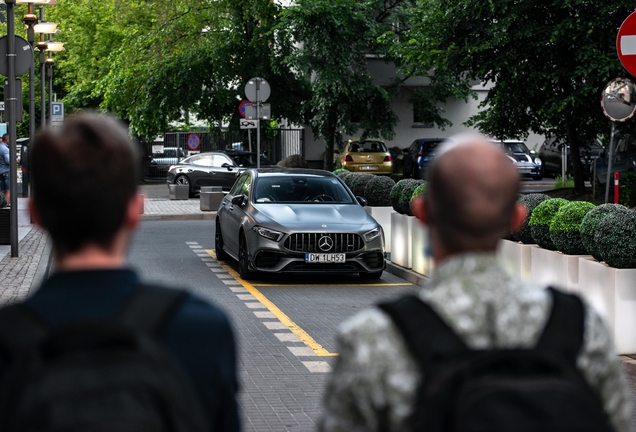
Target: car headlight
374, 233
268, 233
537, 161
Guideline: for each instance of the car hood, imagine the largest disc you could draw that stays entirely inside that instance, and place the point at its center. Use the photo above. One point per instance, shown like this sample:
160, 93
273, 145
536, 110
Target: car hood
316, 217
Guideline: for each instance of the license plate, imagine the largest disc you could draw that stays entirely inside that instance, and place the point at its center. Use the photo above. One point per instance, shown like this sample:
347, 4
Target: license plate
368, 168
525, 170
316, 258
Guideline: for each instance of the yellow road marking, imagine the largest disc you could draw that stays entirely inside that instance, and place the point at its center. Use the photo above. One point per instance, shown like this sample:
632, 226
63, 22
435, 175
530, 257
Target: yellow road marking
339, 284
282, 317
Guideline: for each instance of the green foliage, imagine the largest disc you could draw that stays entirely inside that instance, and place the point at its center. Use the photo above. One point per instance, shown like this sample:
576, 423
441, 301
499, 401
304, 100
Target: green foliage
565, 227
340, 171
590, 223
570, 45
417, 192
560, 183
396, 191
530, 201
378, 191
358, 184
344, 175
405, 196
349, 178
616, 239
541, 219
627, 191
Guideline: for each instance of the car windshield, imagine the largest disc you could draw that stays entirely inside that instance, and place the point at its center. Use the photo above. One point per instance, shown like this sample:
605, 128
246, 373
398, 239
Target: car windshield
430, 145
309, 189
248, 159
516, 147
367, 147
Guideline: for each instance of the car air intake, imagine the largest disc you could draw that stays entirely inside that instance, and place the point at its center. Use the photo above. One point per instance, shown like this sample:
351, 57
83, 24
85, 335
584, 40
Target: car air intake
312, 242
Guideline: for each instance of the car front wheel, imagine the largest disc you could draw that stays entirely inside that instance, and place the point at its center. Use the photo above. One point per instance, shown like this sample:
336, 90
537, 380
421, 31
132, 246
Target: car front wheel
184, 181
243, 261
221, 255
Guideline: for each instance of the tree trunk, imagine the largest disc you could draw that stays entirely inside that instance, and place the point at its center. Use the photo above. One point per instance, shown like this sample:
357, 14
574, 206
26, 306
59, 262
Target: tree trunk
575, 156
330, 138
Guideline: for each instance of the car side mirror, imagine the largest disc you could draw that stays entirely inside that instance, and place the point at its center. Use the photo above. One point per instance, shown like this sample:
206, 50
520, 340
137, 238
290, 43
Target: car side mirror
238, 200
362, 201
228, 166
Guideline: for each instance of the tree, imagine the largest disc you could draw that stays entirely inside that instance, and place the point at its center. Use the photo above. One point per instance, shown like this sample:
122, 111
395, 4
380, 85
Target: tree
548, 62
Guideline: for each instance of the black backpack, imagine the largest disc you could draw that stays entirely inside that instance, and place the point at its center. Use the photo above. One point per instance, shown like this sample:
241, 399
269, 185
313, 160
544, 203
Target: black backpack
520, 390
96, 376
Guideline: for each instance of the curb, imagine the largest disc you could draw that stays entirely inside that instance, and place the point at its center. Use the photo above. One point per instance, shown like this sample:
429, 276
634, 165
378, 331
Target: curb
176, 217
406, 274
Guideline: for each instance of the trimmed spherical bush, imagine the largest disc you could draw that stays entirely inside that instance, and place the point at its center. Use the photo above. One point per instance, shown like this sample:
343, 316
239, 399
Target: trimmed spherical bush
590, 222
616, 239
418, 192
530, 201
340, 171
395, 194
540, 221
344, 175
348, 178
565, 227
378, 191
406, 194
358, 184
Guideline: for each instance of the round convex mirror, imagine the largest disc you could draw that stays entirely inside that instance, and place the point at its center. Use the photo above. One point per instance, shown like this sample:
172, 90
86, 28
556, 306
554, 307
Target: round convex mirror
619, 99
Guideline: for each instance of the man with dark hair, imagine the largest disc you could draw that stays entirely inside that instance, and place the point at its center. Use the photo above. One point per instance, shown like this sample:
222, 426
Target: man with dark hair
5, 167
85, 196
469, 204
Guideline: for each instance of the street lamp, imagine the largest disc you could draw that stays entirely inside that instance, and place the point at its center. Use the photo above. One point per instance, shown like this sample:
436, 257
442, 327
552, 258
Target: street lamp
51, 48
30, 21
43, 28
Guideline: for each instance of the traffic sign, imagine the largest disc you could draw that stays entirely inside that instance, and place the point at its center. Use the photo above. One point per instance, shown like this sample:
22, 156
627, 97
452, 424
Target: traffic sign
248, 124
264, 112
193, 141
57, 111
242, 107
23, 56
257, 90
626, 43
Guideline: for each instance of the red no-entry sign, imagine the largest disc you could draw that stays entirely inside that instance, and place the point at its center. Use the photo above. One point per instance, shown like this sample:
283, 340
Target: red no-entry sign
626, 44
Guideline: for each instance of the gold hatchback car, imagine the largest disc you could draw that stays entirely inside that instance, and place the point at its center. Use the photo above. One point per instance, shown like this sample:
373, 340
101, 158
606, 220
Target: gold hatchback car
368, 156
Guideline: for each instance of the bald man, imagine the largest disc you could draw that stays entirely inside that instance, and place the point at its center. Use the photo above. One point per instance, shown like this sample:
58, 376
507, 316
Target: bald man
469, 204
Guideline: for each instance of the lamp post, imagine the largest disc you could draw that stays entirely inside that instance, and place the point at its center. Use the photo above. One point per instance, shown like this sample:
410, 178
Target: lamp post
11, 105
51, 48
43, 28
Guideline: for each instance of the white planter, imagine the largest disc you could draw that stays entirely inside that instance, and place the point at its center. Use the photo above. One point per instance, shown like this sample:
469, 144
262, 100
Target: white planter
555, 268
383, 216
401, 239
516, 258
420, 263
612, 292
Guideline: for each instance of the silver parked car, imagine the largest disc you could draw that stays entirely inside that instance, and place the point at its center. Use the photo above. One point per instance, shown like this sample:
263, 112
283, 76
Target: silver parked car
289, 220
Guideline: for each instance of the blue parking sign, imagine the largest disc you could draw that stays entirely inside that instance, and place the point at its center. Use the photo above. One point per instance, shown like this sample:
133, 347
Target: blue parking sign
57, 111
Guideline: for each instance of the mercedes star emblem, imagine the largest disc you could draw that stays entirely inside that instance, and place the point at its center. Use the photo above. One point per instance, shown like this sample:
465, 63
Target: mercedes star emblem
325, 243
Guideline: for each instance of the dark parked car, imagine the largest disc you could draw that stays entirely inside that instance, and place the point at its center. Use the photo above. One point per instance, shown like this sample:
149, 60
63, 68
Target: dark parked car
418, 156
526, 161
212, 169
296, 220
624, 160
551, 150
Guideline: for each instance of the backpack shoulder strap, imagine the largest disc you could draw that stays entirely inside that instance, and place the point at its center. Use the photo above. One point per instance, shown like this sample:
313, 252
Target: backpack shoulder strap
563, 333
150, 307
19, 327
425, 332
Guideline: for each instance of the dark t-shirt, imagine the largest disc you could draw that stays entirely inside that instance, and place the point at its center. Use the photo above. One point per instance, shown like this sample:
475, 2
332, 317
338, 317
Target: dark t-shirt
199, 335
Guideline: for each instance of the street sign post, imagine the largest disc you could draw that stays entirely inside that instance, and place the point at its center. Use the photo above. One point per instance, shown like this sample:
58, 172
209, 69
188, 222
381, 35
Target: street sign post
57, 112
626, 43
257, 91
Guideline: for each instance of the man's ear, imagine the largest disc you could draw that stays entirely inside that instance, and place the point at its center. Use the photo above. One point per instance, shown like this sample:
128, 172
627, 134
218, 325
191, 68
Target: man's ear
134, 211
420, 210
35, 215
518, 217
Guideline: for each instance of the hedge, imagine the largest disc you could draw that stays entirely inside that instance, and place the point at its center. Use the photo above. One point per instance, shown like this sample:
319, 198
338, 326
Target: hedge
540, 221
406, 194
530, 201
378, 191
616, 239
417, 192
565, 227
395, 194
359, 182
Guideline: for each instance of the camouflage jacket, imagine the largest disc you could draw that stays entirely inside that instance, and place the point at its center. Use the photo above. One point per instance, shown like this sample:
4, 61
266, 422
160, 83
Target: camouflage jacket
375, 375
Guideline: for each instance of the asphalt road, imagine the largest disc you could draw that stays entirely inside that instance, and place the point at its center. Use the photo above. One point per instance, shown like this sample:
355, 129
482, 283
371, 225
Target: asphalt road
285, 327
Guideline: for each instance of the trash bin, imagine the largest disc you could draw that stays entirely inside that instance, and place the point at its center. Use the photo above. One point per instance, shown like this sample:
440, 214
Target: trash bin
179, 192
210, 198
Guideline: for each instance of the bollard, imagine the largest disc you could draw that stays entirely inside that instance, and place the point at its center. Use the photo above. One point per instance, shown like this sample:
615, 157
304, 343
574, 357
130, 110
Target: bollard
616, 188
210, 198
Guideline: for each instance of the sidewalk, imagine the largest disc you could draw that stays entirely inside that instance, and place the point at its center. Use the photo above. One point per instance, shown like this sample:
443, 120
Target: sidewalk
21, 274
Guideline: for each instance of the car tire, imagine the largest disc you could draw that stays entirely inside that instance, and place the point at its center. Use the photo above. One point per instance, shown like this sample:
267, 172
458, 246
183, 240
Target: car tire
372, 275
243, 262
221, 255
185, 181
537, 178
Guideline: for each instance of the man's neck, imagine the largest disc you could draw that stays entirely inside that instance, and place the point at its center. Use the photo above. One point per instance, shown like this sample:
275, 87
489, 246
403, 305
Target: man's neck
90, 257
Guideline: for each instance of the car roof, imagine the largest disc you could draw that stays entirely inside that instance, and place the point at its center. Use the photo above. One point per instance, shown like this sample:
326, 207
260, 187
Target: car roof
430, 139
277, 170
366, 140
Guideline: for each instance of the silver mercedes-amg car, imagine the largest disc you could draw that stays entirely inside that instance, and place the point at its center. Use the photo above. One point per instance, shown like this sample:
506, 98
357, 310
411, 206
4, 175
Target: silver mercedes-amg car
288, 220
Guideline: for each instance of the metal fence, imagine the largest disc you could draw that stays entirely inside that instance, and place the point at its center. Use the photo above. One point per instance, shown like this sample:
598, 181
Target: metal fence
177, 145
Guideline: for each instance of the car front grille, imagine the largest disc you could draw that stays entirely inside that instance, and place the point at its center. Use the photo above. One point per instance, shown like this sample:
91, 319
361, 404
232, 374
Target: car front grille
310, 242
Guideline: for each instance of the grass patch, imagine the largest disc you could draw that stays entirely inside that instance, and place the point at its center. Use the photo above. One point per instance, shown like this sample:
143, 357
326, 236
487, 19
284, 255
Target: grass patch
561, 183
